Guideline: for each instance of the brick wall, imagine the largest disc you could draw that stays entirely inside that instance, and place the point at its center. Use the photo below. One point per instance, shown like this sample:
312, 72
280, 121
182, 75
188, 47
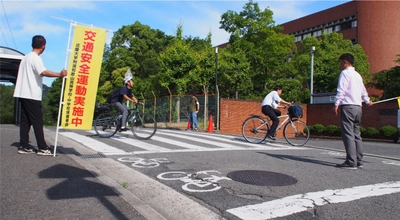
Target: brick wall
234, 112
375, 116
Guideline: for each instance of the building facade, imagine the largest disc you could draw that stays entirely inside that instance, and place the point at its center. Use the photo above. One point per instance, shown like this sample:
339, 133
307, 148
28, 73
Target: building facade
375, 25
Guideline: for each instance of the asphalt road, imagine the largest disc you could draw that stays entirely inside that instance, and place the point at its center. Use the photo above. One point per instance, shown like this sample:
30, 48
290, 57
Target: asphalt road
198, 175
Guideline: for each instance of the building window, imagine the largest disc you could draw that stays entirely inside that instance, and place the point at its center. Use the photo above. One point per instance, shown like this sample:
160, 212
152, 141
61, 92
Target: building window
328, 30
345, 26
317, 33
298, 38
354, 24
306, 35
337, 28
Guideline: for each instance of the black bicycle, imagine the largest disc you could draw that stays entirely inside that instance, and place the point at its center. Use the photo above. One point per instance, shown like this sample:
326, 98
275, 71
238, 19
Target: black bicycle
143, 126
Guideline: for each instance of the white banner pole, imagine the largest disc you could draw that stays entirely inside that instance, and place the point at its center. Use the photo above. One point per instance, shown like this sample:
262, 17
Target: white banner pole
385, 100
62, 86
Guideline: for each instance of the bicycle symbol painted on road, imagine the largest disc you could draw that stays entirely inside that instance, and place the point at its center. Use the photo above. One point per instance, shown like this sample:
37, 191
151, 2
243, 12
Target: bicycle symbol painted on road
202, 181
144, 163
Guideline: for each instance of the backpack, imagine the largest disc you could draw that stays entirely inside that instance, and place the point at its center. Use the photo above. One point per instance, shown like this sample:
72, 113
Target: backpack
111, 96
295, 111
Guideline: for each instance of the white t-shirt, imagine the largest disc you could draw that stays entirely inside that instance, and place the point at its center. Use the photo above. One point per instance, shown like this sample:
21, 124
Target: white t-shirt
29, 81
272, 99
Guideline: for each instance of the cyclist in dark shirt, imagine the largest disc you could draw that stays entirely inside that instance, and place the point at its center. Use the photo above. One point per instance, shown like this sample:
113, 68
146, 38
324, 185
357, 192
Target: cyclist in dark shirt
124, 93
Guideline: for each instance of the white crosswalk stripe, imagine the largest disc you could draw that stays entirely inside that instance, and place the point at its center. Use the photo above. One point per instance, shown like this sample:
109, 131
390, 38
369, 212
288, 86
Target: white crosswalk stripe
181, 140
197, 136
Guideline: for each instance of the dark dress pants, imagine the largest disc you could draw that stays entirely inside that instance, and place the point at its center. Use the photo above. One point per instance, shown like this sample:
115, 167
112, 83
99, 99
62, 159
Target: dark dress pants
31, 115
273, 114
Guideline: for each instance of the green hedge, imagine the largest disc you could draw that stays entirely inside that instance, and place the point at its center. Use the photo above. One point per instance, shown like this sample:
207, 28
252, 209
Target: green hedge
386, 132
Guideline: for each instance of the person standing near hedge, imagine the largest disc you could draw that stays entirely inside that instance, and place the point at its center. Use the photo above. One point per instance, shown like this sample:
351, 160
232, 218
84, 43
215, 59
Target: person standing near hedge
350, 94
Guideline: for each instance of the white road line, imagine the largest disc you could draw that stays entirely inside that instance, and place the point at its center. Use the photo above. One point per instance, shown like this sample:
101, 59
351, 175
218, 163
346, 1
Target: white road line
178, 143
391, 162
220, 142
222, 138
302, 202
93, 144
203, 140
140, 144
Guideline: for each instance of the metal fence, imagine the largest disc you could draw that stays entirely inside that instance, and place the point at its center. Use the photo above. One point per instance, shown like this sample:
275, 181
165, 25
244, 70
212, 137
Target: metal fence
173, 111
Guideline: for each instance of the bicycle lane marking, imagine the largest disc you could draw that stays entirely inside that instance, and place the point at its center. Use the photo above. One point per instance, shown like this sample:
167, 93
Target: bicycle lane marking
303, 202
202, 181
93, 144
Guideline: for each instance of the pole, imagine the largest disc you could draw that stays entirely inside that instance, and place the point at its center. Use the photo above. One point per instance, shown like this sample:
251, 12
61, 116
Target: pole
216, 87
385, 100
312, 74
61, 103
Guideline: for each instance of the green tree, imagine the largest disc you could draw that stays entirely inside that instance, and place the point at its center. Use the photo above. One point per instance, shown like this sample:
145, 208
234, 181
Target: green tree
6, 104
203, 75
51, 103
326, 65
265, 47
177, 61
136, 47
234, 73
388, 81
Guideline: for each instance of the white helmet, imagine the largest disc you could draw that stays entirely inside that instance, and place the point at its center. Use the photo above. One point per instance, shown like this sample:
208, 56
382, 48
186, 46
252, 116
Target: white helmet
128, 76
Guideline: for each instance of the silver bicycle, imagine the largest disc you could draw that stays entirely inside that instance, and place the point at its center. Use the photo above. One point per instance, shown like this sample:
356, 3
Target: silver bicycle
295, 131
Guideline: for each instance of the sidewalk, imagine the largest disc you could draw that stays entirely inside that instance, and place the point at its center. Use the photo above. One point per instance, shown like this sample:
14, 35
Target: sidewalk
72, 187
44, 187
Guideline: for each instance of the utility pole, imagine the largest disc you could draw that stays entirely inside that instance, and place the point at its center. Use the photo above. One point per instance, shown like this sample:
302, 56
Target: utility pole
216, 87
312, 74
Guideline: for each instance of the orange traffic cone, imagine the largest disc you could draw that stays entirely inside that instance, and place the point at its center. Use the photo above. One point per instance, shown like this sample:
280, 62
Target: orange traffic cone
188, 126
210, 125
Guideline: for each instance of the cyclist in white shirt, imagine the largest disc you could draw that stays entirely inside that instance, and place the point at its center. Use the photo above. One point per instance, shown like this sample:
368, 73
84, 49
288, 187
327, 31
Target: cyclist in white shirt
269, 108
350, 94
28, 90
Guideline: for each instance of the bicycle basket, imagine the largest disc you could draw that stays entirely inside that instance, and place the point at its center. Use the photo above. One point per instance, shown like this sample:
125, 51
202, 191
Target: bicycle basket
295, 111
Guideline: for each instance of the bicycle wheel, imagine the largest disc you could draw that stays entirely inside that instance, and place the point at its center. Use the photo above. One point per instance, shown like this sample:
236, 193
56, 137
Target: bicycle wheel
106, 124
143, 126
296, 133
254, 130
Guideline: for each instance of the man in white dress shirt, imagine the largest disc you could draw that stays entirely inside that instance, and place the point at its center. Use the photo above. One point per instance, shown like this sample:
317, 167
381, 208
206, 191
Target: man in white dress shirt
350, 94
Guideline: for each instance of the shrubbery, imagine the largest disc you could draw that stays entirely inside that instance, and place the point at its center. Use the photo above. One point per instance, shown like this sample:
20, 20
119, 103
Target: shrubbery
371, 132
318, 128
333, 130
386, 132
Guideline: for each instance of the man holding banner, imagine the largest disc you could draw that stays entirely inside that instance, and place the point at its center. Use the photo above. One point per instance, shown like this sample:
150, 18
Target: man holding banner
350, 94
28, 89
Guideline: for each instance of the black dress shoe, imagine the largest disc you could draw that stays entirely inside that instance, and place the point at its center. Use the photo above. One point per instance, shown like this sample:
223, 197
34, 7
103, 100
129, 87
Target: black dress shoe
346, 165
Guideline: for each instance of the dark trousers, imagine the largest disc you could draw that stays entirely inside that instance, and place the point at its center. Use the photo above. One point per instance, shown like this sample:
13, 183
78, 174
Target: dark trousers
273, 114
31, 115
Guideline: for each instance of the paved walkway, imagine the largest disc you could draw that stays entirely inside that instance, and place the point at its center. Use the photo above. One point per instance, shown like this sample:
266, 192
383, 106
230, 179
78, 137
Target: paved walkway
69, 187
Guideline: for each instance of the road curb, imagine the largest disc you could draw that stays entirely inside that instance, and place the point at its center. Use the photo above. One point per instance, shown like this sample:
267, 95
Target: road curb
150, 198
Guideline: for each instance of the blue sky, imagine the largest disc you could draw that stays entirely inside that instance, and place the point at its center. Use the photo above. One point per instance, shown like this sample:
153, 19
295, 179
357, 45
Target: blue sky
20, 20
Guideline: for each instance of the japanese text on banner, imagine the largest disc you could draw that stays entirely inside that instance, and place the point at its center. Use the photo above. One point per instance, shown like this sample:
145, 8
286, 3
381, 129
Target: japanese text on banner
83, 77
